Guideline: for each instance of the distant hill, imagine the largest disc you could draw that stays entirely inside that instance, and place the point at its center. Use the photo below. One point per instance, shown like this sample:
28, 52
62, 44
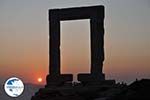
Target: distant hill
29, 91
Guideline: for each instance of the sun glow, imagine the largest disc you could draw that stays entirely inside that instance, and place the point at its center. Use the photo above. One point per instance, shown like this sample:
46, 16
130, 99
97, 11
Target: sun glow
39, 79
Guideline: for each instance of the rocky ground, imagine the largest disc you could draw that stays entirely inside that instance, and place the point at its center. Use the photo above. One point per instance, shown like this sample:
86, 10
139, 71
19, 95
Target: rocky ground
138, 90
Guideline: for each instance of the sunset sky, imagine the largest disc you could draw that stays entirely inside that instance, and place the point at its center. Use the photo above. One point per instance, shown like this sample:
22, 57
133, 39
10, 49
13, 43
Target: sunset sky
24, 39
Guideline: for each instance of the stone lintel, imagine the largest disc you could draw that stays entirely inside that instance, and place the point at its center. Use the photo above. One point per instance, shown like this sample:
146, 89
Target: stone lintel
78, 13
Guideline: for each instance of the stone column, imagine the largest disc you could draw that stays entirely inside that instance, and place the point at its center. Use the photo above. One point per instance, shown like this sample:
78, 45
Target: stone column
55, 78
97, 52
54, 50
97, 45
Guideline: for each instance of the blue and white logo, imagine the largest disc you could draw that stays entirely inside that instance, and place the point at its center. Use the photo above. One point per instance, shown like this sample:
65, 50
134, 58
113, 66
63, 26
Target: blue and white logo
14, 87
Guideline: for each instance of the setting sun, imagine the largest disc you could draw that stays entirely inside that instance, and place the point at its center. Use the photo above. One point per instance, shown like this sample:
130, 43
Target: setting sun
39, 79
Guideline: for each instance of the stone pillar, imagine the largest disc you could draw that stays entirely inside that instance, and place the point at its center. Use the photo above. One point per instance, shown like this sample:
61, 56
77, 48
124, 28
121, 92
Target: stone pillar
55, 78
54, 53
97, 48
97, 45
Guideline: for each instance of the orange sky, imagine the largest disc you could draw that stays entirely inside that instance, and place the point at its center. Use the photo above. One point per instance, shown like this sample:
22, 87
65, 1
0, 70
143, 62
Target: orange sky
24, 40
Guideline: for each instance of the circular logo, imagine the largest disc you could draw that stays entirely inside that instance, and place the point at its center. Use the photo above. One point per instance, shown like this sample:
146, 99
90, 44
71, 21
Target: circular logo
14, 87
